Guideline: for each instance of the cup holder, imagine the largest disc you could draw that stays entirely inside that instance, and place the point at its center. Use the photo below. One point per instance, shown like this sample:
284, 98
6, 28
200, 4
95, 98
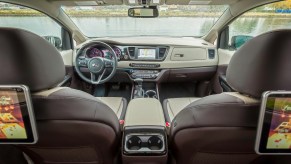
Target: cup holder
144, 143
134, 143
151, 94
155, 143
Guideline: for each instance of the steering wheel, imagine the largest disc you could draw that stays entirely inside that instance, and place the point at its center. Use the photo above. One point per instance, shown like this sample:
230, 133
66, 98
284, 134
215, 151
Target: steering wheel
97, 66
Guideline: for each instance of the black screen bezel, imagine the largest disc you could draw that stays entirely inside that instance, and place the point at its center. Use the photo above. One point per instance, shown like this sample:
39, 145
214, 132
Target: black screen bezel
25, 115
266, 125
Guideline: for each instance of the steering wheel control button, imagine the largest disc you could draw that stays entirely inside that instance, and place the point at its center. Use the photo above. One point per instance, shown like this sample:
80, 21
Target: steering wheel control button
96, 65
82, 63
108, 64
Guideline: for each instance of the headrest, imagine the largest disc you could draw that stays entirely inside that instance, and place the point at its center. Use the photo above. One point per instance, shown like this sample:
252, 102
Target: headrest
262, 64
28, 59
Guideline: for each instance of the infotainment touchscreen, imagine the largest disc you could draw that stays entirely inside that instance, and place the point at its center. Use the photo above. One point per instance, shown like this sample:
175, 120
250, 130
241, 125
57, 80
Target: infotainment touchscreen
149, 54
17, 124
274, 128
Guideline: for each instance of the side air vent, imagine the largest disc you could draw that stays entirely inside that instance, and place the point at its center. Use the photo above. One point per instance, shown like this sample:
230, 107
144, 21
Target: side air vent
77, 50
131, 51
211, 53
162, 52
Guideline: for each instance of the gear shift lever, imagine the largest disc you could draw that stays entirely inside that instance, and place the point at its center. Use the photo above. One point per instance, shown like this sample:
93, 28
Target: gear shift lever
138, 81
138, 92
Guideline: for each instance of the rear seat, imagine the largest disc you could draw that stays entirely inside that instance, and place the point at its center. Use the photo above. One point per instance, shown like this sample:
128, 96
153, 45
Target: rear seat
173, 106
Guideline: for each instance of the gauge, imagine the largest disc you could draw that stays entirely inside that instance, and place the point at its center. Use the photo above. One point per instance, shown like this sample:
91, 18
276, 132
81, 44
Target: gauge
95, 52
117, 52
107, 54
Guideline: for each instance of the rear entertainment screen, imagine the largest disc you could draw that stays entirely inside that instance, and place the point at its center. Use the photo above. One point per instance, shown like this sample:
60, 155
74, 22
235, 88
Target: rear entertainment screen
274, 130
16, 116
149, 54
280, 128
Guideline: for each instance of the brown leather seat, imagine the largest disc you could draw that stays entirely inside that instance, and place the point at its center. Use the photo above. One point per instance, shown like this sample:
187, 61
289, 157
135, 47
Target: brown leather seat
222, 128
73, 126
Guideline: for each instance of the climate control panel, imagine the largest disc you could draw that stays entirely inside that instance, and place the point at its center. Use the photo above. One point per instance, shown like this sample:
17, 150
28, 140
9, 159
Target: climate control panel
144, 74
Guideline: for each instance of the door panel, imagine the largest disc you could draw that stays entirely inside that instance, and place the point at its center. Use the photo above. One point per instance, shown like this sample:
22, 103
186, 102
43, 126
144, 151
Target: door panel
224, 57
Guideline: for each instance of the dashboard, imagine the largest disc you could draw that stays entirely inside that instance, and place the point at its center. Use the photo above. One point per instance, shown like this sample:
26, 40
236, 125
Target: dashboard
127, 53
159, 58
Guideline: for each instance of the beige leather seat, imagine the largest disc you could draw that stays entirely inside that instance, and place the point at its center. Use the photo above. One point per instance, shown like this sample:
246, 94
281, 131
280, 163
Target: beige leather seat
173, 106
117, 104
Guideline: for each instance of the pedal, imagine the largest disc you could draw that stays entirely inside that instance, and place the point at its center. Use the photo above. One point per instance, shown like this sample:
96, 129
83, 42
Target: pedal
99, 90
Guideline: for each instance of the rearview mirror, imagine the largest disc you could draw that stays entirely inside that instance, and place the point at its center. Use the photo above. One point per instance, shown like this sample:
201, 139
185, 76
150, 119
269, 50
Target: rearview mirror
143, 12
239, 40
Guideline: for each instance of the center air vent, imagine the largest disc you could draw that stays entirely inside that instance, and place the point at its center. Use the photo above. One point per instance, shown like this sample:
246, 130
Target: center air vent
131, 51
162, 52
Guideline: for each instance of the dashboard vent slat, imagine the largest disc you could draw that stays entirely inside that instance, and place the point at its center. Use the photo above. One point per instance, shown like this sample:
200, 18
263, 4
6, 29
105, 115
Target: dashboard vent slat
162, 52
211, 53
131, 51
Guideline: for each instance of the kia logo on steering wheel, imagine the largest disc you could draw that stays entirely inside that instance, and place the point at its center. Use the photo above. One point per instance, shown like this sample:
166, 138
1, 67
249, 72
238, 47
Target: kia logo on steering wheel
95, 65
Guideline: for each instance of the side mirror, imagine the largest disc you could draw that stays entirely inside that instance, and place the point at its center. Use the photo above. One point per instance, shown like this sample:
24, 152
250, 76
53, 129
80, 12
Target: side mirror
143, 12
239, 40
55, 41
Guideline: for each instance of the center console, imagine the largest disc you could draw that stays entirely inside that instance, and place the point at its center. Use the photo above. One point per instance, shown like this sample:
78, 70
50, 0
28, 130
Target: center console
144, 137
144, 90
139, 54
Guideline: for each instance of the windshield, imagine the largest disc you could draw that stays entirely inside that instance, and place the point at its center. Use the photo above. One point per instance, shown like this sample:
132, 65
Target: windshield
173, 20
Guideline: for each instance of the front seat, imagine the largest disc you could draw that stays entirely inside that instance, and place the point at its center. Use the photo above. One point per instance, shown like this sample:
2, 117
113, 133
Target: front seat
73, 126
222, 128
173, 106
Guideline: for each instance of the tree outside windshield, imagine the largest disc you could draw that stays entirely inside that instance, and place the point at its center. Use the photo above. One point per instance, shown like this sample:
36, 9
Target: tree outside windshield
174, 20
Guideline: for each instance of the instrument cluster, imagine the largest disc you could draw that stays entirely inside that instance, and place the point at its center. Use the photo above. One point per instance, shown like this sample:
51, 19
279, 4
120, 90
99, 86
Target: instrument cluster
96, 51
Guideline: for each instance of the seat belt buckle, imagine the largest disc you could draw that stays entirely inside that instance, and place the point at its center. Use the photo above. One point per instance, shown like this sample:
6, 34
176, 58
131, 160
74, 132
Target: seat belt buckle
168, 124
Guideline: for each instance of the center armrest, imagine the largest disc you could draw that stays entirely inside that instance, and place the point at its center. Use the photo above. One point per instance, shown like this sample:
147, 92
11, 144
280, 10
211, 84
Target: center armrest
144, 112
144, 136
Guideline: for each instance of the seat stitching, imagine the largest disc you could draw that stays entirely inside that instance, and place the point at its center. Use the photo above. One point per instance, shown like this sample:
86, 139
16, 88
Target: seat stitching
170, 109
119, 108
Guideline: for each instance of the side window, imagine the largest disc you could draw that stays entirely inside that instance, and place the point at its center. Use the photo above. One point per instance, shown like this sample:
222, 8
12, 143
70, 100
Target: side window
16, 16
259, 20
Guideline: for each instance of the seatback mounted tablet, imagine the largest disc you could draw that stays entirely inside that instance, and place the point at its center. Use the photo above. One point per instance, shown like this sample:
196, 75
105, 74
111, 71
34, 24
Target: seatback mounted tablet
274, 127
17, 122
